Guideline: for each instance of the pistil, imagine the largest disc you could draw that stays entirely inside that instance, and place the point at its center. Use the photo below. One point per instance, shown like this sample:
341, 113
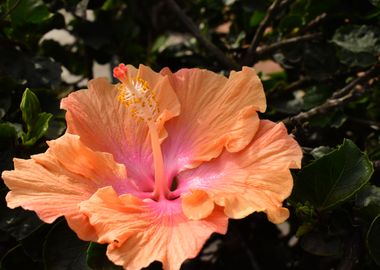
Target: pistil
140, 100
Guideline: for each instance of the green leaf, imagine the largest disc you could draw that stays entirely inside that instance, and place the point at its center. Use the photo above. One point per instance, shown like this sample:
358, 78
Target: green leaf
30, 107
256, 18
38, 130
274, 80
335, 119
320, 151
64, 250
314, 96
159, 44
290, 22
305, 213
369, 195
322, 245
56, 129
358, 45
334, 178
373, 240
97, 259
358, 38
368, 201
28, 11
7, 132
37, 123
5, 104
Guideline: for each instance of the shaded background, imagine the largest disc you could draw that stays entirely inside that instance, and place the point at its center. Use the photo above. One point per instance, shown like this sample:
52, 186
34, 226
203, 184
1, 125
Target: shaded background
319, 63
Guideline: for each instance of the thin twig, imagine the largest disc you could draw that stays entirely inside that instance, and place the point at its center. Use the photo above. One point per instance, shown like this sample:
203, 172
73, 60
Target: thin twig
297, 84
358, 80
286, 42
325, 107
351, 92
10, 10
250, 55
313, 23
191, 26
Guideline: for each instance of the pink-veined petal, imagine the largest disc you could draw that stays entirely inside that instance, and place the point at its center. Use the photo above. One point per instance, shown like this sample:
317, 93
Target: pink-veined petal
143, 231
104, 124
255, 179
216, 113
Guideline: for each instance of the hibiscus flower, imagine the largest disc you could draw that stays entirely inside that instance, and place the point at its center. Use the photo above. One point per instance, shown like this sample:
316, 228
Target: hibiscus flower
154, 165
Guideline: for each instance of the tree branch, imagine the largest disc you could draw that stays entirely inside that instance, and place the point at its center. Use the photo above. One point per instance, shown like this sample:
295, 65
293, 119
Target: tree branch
340, 98
286, 42
368, 74
313, 23
250, 55
191, 26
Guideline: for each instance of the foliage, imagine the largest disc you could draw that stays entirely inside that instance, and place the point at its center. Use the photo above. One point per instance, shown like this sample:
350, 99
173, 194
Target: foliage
327, 92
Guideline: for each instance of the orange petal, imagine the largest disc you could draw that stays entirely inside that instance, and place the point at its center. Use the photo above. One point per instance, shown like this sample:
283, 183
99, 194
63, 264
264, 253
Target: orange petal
52, 184
255, 179
140, 232
100, 167
169, 105
104, 124
49, 192
197, 204
216, 112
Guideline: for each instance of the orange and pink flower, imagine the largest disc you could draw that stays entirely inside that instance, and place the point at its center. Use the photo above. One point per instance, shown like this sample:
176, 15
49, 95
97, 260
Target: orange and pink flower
154, 165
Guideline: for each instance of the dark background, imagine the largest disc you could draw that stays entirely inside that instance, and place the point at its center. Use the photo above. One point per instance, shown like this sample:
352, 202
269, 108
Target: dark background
319, 63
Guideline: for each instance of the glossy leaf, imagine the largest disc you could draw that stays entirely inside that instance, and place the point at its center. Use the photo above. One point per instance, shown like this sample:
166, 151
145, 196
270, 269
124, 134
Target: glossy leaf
320, 151
334, 178
30, 107
322, 245
28, 11
368, 201
37, 123
38, 130
358, 45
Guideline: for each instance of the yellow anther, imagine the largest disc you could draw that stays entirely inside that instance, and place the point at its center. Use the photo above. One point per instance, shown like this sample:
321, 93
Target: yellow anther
137, 96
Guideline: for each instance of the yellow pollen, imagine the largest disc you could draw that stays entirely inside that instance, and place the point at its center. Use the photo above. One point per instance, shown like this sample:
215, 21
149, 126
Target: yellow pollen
138, 97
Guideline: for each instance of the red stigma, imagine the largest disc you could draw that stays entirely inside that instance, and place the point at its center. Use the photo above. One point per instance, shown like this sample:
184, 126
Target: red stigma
120, 72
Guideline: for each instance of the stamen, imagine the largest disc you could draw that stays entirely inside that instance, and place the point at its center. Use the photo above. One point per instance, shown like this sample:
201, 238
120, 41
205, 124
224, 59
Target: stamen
140, 100
137, 96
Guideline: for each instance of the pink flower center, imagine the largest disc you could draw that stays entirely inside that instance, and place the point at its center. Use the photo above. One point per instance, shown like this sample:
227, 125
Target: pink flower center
140, 100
